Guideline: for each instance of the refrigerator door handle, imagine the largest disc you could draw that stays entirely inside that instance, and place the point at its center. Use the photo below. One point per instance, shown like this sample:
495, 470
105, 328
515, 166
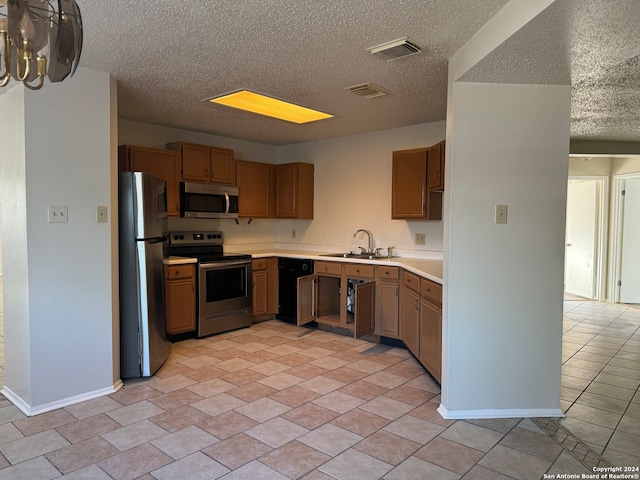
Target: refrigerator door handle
157, 240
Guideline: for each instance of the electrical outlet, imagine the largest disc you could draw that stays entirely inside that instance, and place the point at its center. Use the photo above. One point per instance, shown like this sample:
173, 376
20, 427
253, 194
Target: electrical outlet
101, 214
421, 238
501, 214
58, 214
293, 233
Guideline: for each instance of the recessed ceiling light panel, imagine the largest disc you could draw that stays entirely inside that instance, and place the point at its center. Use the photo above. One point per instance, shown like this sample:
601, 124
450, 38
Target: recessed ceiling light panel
395, 49
269, 106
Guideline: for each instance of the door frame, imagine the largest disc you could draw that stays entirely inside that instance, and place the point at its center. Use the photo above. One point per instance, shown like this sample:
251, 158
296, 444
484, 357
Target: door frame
602, 220
616, 234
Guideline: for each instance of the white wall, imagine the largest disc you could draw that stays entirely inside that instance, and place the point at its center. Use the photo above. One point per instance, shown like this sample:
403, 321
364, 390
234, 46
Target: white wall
260, 231
590, 166
353, 190
59, 277
0, 242
621, 166
147, 135
13, 202
503, 317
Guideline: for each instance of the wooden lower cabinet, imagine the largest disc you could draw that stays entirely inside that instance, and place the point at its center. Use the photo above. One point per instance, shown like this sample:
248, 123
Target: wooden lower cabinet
180, 298
387, 302
410, 314
421, 319
431, 337
339, 295
264, 288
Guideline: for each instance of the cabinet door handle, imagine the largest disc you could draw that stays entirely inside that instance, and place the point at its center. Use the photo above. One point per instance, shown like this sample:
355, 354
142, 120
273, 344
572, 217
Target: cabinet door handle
357, 270
417, 304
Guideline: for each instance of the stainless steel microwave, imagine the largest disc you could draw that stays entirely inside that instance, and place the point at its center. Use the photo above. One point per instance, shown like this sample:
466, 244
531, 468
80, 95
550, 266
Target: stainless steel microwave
201, 200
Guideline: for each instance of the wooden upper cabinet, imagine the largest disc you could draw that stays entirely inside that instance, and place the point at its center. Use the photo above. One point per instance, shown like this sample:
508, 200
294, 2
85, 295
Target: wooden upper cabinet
195, 162
256, 189
223, 168
205, 164
436, 167
156, 161
409, 188
294, 190
411, 197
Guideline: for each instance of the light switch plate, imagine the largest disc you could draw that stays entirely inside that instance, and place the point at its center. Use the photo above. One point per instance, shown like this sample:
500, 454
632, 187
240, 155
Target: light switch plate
58, 214
101, 214
421, 238
501, 214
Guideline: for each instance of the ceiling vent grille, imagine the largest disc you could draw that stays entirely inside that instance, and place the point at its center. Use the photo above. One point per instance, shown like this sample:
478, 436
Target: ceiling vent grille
395, 49
368, 90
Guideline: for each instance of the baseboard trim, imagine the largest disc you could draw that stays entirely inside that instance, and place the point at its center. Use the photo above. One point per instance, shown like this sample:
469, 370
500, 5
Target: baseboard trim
493, 413
30, 411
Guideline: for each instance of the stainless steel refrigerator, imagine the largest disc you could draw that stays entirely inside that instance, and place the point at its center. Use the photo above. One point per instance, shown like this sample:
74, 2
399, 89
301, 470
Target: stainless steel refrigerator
143, 246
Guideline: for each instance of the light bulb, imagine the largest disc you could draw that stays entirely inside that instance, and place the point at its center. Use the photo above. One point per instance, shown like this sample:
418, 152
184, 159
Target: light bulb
27, 29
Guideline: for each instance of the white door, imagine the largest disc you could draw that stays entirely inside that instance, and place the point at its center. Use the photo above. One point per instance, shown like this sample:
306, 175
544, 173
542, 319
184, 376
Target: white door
580, 251
630, 250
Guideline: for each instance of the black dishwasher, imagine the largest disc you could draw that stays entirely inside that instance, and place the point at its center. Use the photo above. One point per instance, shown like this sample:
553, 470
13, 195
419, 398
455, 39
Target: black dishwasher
289, 270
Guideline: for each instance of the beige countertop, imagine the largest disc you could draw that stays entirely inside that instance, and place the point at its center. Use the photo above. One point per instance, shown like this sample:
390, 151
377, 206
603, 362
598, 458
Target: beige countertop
431, 269
179, 260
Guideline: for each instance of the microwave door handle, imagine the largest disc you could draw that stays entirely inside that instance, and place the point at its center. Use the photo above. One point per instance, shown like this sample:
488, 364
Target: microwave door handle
226, 196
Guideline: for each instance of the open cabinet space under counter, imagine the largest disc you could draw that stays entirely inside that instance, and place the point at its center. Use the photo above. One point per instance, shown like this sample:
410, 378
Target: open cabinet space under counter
338, 295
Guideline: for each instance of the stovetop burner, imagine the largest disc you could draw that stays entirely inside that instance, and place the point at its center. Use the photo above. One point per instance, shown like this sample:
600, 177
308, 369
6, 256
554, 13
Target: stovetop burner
205, 246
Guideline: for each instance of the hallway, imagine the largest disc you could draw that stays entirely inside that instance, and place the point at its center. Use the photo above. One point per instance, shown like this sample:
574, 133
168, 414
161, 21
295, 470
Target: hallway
600, 378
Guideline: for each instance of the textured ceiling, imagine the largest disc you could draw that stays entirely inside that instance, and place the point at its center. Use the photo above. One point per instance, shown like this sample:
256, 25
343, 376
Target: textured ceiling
169, 56
592, 44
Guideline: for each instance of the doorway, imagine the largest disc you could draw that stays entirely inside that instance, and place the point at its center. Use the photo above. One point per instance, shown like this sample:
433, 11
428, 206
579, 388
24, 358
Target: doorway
626, 238
585, 240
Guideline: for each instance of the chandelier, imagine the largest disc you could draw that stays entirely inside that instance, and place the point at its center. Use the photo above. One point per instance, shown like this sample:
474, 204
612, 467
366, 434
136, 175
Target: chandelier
39, 38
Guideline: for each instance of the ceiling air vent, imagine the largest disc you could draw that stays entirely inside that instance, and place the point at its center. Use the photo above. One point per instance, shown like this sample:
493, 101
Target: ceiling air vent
368, 90
395, 49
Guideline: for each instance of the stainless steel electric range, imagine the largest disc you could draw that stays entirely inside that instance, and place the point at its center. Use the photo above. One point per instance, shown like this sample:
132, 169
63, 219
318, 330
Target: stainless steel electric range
224, 281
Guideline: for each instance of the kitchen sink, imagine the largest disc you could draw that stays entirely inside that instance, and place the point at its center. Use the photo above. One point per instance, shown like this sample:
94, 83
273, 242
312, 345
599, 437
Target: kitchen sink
341, 255
363, 256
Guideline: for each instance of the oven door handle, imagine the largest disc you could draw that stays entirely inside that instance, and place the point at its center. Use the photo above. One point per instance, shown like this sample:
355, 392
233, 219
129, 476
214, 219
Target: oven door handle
226, 196
219, 265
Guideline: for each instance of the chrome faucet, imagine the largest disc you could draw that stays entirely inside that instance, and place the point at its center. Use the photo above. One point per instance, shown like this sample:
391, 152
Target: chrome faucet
370, 244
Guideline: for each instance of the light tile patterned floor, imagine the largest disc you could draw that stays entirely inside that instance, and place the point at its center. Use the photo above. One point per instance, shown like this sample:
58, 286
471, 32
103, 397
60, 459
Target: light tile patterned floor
279, 402
601, 376
1, 332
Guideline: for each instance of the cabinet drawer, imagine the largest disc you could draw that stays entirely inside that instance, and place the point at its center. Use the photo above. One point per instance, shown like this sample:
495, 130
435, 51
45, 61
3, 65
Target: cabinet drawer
259, 264
431, 291
178, 271
387, 272
360, 271
411, 281
332, 268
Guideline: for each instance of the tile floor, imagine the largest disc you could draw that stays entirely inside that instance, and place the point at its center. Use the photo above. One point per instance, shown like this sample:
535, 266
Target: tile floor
277, 402
600, 378
1, 334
